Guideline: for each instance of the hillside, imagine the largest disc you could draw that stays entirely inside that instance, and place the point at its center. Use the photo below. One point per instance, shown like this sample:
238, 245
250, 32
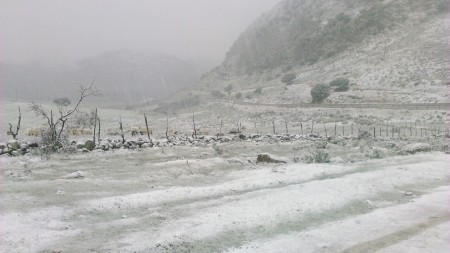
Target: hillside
391, 51
122, 75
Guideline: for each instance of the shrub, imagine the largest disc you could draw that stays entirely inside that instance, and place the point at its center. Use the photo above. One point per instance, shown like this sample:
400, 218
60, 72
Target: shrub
62, 101
238, 95
364, 135
320, 156
288, 79
340, 84
228, 88
258, 90
320, 92
217, 94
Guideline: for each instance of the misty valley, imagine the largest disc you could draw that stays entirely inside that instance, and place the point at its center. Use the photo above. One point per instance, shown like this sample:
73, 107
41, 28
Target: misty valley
224, 126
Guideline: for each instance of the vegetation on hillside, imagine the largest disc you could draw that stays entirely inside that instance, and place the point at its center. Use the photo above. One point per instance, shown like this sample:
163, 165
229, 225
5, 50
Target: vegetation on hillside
320, 92
305, 32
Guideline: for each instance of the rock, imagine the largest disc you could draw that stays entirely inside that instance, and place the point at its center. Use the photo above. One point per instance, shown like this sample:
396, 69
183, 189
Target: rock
85, 150
268, 158
15, 153
417, 147
104, 145
33, 145
76, 174
2, 145
337, 159
235, 160
80, 145
5, 151
234, 131
242, 137
89, 145
14, 144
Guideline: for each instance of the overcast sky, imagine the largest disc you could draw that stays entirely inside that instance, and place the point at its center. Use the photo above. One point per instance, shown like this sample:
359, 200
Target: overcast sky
69, 30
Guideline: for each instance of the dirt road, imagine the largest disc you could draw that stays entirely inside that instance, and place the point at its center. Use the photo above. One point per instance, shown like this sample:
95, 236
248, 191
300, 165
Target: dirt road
142, 201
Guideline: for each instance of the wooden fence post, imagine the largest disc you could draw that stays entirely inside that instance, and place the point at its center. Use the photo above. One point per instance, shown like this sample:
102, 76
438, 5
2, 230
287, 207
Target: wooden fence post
99, 128
146, 125
95, 123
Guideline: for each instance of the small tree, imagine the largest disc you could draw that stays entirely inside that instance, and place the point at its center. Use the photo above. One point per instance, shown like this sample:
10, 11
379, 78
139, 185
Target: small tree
11, 131
56, 126
228, 88
288, 79
62, 101
320, 92
340, 84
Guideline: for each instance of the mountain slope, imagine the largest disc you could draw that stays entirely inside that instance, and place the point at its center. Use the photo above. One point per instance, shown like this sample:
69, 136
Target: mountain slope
392, 51
304, 32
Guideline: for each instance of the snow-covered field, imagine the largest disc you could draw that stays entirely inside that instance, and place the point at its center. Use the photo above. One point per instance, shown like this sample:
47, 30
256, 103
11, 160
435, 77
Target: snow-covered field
188, 199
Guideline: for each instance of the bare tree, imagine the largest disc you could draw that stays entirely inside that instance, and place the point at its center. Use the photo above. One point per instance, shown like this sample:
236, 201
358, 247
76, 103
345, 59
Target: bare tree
121, 130
57, 126
11, 132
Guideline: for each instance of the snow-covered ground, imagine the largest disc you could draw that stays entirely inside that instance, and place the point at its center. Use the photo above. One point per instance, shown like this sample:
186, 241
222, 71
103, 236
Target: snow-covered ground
153, 201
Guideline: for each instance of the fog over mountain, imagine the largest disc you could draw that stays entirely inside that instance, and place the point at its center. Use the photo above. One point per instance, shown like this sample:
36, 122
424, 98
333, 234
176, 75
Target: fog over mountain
47, 45
122, 75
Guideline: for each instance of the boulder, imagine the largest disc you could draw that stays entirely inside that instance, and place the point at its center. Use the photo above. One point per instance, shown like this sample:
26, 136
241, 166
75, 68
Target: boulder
268, 158
33, 145
14, 144
242, 137
76, 174
417, 147
2, 145
80, 145
89, 145
337, 159
104, 145
234, 131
